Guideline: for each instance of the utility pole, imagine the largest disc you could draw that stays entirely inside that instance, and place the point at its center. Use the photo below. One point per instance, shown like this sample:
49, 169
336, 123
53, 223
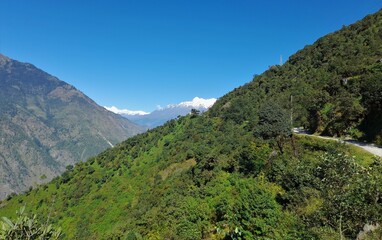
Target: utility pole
281, 60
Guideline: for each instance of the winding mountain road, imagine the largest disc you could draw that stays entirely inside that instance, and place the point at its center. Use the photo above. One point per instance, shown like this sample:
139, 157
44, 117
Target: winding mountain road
372, 148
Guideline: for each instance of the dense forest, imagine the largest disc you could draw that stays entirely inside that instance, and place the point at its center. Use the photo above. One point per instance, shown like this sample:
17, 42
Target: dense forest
237, 171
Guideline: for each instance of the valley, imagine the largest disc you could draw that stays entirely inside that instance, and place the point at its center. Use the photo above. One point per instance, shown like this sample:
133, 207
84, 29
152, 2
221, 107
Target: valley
234, 171
46, 125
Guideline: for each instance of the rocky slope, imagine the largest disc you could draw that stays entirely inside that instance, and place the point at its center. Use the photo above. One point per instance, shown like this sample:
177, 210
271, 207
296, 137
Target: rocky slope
47, 124
236, 171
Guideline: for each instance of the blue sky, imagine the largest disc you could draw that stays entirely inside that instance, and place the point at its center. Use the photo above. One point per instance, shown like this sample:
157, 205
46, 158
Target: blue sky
138, 54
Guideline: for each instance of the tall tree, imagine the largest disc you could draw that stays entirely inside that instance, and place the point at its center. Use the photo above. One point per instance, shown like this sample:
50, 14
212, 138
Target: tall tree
274, 123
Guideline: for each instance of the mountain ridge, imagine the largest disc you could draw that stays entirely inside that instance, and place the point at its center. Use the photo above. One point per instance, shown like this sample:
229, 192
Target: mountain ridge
237, 171
45, 124
164, 114
331, 86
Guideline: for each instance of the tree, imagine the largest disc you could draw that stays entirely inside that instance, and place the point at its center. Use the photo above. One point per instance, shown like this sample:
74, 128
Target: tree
274, 123
349, 192
27, 228
195, 112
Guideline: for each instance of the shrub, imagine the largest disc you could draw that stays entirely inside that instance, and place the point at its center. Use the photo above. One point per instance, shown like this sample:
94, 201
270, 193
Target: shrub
25, 227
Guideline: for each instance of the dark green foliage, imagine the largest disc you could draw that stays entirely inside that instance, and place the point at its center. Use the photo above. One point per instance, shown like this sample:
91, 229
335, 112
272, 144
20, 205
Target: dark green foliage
345, 186
254, 212
253, 158
333, 191
195, 112
201, 177
133, 236
216, 175
373, 98
274, 123
27, 228
335, 85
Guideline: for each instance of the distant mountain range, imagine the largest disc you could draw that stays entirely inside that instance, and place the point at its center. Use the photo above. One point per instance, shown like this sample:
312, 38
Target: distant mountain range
162, 115
237, 172
47, 124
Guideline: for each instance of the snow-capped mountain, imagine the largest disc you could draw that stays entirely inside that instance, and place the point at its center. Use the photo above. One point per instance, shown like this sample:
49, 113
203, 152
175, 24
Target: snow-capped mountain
125, 111
195, 103
162, 115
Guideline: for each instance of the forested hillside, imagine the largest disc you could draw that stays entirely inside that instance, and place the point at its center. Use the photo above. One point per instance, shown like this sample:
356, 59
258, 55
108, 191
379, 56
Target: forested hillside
333, 87
237, 171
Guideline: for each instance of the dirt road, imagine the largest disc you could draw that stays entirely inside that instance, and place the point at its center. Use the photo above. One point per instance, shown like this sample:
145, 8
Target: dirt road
367, 146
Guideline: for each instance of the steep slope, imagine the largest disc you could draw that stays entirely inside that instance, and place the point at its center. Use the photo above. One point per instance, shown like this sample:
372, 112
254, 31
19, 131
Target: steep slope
332, 87
46, 124
235, 172
203, 178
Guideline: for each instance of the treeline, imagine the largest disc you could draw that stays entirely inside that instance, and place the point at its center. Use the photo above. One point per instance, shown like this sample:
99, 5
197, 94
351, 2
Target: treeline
237, 171
333, 87
200, 177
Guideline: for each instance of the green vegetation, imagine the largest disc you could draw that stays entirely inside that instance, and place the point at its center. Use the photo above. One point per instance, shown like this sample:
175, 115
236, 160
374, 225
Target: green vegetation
274, 123
46, 124
332, 87
237, 172
26, 228
199, 177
